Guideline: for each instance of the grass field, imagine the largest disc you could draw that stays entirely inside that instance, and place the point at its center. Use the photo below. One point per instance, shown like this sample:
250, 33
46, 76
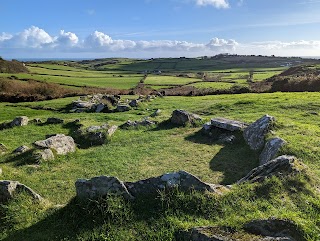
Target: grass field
135, 154
168, 80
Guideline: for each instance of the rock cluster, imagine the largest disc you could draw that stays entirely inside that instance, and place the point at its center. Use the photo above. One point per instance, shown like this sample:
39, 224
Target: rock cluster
104, 185
95, 103
223, 129
136, 124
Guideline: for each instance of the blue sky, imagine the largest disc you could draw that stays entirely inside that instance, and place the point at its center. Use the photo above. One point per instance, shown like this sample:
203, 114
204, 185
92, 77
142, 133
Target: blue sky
158, 28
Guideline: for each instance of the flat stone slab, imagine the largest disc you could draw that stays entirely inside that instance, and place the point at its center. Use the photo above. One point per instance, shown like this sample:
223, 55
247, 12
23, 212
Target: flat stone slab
227, 124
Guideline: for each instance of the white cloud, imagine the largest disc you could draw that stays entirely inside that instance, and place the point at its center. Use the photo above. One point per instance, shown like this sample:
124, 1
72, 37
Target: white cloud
5, 36
67, 39
32, 37
214, 3
222, 45
35, 40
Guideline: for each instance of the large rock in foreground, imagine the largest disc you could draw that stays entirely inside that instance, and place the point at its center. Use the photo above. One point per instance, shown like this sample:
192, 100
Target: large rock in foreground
271, 149
255, 133
9, 188
283, 165
62, 144
182, 117
100, 187
182, 180
104, 185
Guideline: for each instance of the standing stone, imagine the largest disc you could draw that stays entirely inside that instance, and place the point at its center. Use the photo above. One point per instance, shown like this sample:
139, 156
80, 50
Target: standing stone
20, 121
182, 117
271, 149
255, 133
60, 143
21, 149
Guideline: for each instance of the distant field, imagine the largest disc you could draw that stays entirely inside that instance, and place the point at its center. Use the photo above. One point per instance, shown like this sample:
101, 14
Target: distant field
165, 80
213, 85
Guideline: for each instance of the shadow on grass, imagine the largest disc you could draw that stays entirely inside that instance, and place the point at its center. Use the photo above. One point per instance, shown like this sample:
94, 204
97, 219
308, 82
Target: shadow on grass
164, 125
234, 161
200, 138
76, 218
21, 159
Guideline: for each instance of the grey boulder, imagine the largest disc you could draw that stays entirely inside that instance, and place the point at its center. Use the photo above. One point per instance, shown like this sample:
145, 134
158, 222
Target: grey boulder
20, 121
9, 188
255, 133
271, 149
61, 143
42, 155
182, 117
100, 187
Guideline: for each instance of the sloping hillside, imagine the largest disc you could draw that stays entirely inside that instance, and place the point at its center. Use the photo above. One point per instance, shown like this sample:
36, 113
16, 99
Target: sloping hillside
12, 67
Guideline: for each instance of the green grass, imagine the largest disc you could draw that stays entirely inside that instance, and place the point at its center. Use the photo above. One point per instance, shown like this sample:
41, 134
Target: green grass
141, 153
125, 82
213, 85
168, 80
